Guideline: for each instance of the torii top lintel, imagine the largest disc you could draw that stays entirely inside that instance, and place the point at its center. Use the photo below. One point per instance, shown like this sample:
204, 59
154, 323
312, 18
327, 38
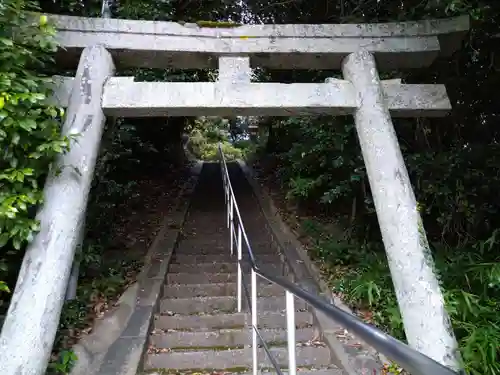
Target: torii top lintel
159, 44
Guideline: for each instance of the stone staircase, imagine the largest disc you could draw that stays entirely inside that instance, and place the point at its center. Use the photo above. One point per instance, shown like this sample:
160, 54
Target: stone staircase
198, 328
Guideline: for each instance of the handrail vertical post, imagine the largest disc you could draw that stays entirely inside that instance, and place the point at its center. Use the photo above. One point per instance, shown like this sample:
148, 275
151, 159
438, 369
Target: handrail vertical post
240, 275
254, 322
231, 224
227, 203
290, 332
228, 198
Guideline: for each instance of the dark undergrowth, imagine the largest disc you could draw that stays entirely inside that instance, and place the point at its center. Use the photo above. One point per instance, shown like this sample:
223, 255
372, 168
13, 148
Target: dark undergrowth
357, 271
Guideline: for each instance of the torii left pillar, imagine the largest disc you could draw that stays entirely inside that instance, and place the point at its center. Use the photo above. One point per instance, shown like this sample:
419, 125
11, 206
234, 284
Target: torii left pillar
38, 298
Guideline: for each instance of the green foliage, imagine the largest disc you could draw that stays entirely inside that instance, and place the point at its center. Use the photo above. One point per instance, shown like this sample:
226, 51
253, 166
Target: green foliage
30, 135
243, 144
206, 133
231, 152
472, 290
356, 11
320, 159
319, 164
64, 363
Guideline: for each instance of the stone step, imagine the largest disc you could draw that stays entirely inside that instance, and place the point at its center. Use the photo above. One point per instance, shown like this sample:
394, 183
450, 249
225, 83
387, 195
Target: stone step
230, 359
225, 338
207, 230
302, 371
211, 238
220, 258
237, 320
254, 225
215, 206
214, 290
207, 224
204, 268
200, 278
225, 252
192, 250
202, 247
196, 305
232, 267
217, 211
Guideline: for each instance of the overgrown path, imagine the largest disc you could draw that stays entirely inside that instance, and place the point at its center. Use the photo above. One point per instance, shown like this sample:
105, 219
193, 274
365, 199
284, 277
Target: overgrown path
198, 328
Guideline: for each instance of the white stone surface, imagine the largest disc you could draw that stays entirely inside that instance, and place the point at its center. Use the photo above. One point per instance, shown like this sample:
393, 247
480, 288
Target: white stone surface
220, 99
426, 322
125, 98
75, 269
33, 317
234, 69
379, 30
384, 82
158, 44
61, 91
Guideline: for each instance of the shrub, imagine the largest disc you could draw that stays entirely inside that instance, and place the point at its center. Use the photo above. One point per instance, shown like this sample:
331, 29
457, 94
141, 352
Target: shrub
30, 136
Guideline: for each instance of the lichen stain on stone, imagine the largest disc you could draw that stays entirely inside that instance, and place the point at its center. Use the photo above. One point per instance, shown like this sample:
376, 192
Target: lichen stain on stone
73, 120
86, 85
399, 176
87, 122
446, 320
38, 267
30, 273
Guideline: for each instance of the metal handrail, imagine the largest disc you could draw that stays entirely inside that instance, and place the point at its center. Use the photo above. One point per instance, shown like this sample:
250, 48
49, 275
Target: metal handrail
409, 359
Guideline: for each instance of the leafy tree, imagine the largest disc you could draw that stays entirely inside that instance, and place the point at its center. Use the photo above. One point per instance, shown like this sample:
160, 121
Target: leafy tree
29, 128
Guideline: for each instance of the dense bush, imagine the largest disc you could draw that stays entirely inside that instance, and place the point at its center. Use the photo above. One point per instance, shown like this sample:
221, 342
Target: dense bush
30, 135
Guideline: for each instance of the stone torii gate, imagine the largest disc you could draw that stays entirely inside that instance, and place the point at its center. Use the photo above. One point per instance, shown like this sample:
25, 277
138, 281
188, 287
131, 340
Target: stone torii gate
360, 51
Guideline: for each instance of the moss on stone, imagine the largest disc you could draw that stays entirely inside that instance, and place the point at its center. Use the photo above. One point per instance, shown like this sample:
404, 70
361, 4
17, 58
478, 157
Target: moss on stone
207, 348
218, 24
228, 326
235, 370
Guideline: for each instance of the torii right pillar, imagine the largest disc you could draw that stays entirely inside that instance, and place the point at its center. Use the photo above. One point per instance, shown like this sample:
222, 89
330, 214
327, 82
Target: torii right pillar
426, 322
